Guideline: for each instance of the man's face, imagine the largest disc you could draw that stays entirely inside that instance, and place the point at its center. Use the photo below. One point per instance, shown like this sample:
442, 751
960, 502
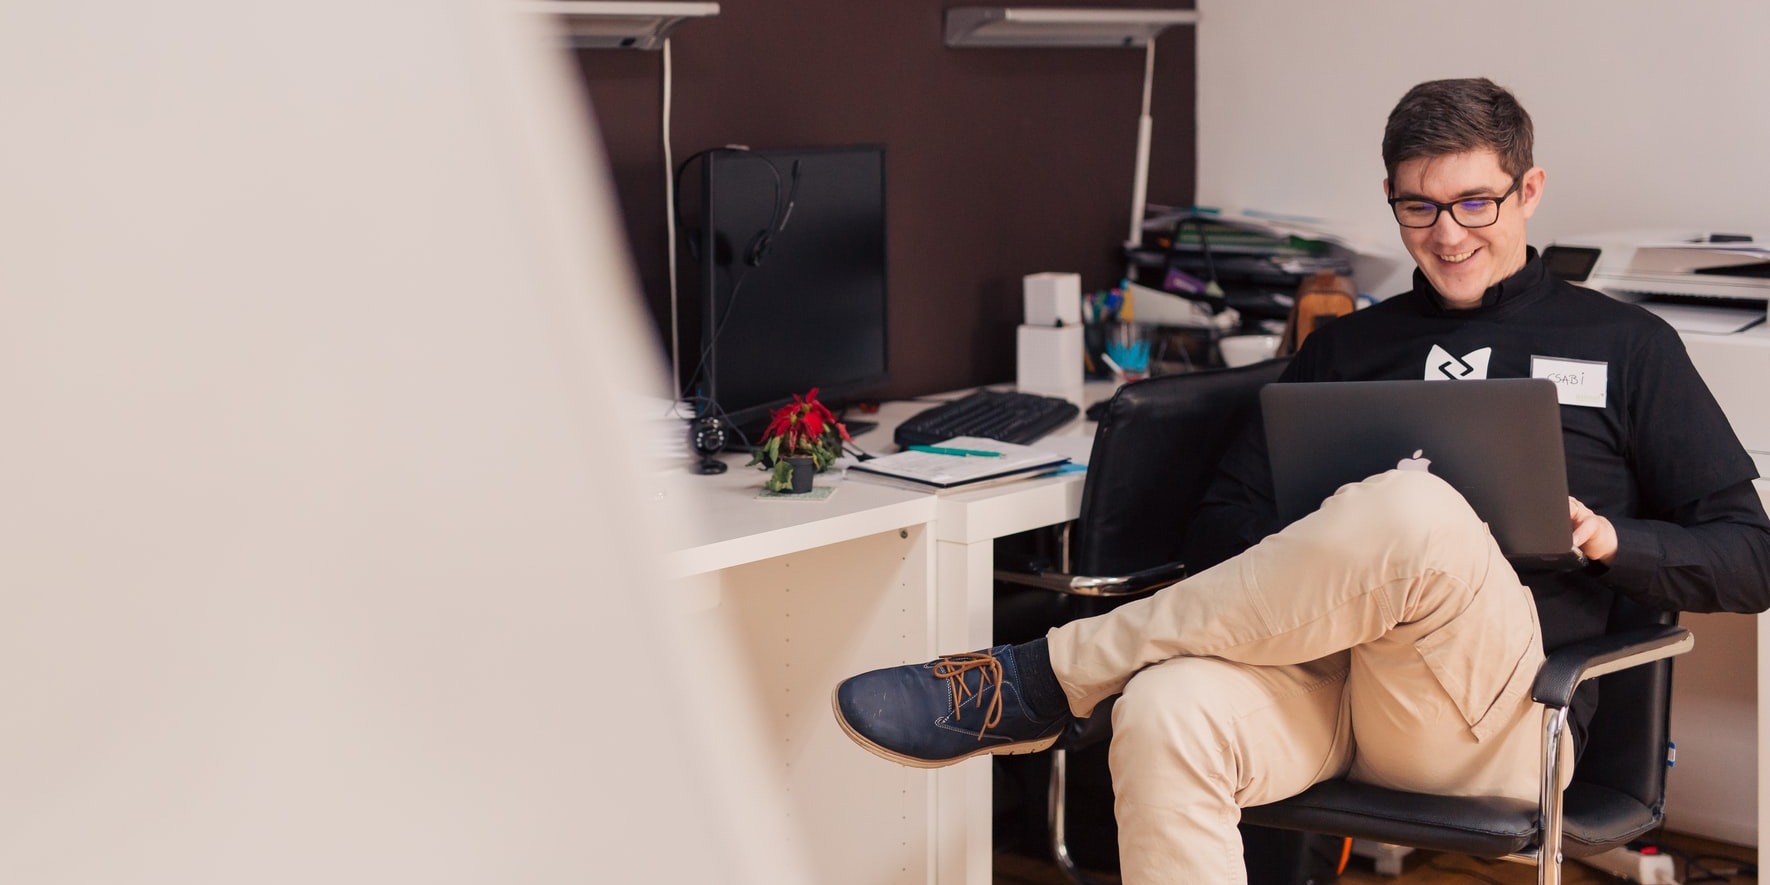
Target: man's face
1463, 262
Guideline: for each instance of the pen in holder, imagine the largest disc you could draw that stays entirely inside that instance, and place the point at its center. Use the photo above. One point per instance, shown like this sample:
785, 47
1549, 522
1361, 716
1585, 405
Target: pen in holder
1117, 346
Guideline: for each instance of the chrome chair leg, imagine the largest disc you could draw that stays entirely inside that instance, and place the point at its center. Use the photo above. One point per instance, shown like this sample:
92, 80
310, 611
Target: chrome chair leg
1056, 816
1548, 865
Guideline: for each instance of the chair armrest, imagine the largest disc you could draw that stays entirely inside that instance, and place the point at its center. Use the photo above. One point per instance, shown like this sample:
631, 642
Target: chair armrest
1095, 585
1571, 665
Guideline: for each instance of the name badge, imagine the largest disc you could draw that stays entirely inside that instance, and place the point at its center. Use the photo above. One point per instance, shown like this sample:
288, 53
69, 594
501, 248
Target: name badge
1577, 382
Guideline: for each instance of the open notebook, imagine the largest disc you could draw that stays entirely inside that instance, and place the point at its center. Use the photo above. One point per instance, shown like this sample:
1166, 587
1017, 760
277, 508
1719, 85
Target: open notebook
932, 471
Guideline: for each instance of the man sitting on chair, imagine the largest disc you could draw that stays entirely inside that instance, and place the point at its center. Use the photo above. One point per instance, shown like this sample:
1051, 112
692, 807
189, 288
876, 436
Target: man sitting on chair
1384, 637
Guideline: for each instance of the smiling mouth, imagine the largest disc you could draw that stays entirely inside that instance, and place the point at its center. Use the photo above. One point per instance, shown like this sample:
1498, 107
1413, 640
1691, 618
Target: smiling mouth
1458, 258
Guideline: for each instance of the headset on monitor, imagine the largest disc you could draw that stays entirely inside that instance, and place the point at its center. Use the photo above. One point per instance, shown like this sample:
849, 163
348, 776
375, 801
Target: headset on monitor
756, 250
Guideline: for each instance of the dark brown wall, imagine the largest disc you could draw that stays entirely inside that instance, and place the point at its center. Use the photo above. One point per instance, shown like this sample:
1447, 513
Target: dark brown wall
999, 162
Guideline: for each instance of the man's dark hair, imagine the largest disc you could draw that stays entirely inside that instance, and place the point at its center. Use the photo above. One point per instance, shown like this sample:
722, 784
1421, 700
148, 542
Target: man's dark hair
1442, 117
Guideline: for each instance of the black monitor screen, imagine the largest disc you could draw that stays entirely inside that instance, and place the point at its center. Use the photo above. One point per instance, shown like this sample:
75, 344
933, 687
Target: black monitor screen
792, 267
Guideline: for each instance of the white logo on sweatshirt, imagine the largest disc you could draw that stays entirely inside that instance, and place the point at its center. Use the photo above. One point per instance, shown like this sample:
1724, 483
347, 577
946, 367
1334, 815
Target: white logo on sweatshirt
1472, 366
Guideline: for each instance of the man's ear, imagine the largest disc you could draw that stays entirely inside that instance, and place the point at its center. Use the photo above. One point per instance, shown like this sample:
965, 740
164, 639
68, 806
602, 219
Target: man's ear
1386, 191
1530, 190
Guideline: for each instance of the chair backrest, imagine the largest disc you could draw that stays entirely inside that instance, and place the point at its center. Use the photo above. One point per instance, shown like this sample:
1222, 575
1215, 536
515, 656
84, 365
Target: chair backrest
1154, 455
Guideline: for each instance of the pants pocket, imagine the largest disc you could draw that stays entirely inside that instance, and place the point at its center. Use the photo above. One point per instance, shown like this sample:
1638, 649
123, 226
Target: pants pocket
1486, 658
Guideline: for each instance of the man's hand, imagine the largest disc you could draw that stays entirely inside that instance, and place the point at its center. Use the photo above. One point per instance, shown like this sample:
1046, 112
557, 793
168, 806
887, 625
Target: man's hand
1593, 535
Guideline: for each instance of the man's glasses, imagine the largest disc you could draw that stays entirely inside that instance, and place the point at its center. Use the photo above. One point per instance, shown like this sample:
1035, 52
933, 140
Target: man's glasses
1473, 212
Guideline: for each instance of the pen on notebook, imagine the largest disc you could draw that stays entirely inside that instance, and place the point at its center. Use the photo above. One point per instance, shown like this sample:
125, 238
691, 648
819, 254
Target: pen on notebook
945, 450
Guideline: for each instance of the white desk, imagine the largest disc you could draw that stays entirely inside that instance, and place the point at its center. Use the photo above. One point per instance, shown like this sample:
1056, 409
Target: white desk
817, 591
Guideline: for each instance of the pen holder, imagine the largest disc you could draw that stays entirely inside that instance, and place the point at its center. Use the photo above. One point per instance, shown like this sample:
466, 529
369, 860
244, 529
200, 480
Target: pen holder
1126, 349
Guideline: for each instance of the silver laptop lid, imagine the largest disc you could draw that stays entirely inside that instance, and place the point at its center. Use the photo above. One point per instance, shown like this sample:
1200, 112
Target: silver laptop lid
1498, 442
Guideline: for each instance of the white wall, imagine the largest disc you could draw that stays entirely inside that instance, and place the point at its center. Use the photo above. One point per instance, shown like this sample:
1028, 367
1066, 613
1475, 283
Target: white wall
323, 551
1647, 114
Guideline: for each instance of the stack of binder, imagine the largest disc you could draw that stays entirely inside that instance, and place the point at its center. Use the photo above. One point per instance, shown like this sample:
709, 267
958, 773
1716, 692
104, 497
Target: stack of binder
1255, 264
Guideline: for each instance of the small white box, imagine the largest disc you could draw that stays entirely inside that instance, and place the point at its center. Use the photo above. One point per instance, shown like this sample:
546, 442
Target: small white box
1052, 299
1049, 360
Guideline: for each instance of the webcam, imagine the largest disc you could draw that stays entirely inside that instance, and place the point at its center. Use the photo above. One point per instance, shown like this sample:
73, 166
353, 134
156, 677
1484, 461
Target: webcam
707, 436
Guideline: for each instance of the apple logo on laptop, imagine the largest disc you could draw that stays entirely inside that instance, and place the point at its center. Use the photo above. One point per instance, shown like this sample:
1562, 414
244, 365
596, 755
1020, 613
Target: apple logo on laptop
1423, 465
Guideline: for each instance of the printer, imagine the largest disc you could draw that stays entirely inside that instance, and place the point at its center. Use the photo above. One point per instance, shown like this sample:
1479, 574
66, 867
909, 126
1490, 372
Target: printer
1714, 289
1673, 267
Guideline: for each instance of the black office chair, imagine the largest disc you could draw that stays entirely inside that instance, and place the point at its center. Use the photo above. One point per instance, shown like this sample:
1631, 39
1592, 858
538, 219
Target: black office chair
1155, 450
1154, 454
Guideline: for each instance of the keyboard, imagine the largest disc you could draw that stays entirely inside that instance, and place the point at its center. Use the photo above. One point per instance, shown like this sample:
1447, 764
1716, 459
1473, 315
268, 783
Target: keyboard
1006, 415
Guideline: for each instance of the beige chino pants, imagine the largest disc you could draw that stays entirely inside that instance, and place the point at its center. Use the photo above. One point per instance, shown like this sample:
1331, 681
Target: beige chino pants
1383, 637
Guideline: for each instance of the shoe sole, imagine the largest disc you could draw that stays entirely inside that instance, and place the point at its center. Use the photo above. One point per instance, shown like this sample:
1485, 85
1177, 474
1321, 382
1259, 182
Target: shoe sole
1018, 748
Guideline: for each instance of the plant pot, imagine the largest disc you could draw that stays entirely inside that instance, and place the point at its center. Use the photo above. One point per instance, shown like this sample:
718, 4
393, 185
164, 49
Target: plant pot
804, 468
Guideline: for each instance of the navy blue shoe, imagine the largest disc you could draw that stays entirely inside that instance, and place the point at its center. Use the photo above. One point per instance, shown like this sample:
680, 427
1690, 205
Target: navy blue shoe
949, 709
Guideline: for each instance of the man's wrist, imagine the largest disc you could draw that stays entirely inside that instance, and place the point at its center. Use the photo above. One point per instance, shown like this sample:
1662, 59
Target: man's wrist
1633, 561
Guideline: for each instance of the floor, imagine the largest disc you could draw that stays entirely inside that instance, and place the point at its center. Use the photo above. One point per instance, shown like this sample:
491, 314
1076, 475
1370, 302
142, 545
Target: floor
1697, 860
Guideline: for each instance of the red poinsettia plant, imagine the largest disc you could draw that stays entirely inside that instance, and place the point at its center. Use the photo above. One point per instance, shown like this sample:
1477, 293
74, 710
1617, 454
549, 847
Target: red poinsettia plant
802, 428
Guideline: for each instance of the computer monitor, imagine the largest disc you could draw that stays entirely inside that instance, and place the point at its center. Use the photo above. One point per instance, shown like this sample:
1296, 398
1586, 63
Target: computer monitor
791, 256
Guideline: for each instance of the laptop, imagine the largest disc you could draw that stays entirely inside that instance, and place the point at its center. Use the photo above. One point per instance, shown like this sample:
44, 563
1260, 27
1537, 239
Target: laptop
1498, 442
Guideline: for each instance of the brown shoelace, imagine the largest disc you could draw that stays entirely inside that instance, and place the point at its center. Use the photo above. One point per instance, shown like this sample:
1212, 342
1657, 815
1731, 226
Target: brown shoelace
953, 669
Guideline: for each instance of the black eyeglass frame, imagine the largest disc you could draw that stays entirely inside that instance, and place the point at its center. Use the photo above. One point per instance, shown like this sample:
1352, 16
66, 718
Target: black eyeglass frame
1441, 208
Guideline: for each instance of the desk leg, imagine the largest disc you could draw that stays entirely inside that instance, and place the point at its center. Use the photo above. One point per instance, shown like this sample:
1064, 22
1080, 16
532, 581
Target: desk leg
963, 606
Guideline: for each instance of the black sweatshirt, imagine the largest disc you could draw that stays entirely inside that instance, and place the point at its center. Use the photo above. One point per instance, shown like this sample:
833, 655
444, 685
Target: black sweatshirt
1659, 459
